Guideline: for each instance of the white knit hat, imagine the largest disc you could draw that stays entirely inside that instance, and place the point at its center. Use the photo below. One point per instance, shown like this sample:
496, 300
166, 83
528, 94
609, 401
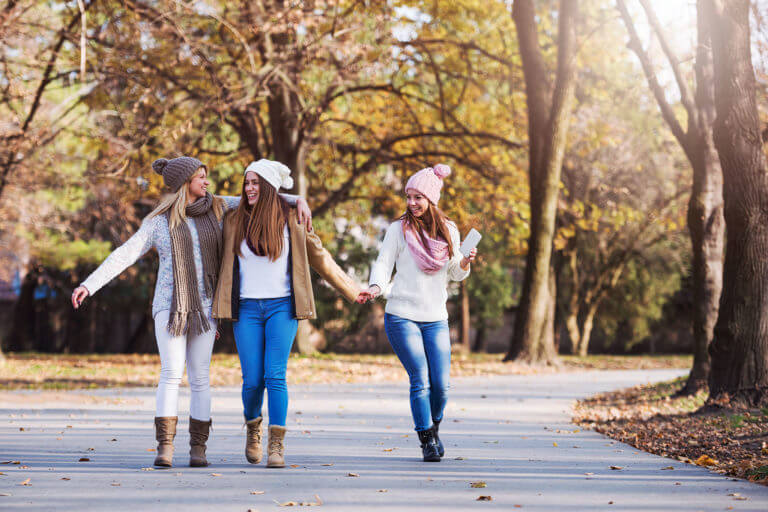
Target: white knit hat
277, 174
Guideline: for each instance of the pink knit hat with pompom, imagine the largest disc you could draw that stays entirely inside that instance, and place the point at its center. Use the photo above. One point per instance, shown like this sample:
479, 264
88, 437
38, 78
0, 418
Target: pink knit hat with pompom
429, 181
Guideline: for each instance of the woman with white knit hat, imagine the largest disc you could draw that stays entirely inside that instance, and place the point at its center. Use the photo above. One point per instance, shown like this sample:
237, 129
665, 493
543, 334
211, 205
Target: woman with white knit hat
423, 245
265, 287
185, 229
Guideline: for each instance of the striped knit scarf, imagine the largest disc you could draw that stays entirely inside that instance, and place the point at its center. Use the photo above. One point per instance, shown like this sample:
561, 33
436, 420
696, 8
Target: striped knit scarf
187, 315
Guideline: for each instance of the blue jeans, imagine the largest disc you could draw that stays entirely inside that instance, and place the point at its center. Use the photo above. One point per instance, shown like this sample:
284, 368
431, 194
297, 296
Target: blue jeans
264, 334
424, 348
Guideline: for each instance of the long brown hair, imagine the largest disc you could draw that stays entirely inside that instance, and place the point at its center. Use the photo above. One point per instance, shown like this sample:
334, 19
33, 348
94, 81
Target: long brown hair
263, 223
432, 223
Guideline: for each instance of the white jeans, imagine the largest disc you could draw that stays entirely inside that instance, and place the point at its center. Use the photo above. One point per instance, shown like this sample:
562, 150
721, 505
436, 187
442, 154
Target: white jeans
174, 351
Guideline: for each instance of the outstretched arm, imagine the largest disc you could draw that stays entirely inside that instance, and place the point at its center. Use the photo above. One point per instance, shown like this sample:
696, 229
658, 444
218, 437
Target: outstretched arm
120, 259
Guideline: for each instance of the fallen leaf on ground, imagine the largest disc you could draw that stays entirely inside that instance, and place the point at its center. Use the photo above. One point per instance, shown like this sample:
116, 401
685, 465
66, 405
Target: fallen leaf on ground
215, 474
294, 465
382, 490
151, 449
84, 459
26, 482
668, 467
705, 460
352, 474
616, 468
589, 474
65, 478
115, 484
554, 444
147, 469
484, 498
258, 492
478, 485
326, 464
460, 458
301, 503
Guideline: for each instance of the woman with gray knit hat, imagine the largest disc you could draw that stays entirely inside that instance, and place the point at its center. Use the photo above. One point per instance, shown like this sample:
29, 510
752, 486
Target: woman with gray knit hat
185, 229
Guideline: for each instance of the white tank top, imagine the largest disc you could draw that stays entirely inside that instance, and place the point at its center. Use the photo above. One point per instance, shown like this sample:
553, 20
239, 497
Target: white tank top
262, 278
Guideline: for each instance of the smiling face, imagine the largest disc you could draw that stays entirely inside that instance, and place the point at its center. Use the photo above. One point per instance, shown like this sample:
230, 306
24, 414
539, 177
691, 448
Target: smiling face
251, 187
198, 184
417, 202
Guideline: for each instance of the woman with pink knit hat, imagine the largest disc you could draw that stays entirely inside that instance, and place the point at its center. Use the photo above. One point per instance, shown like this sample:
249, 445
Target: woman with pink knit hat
424, 247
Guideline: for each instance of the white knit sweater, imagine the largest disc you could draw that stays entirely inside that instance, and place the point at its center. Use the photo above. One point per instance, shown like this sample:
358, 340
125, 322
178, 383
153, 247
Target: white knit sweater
415, 295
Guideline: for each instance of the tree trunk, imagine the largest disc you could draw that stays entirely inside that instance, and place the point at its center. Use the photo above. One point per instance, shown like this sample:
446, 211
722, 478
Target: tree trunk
705, 213
466, 346
705, 216
22, 333
533, 338
739, 349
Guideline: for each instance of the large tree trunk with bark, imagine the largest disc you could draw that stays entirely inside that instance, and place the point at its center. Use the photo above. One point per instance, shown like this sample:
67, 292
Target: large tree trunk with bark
705, 208
705, 212
739, 349
549, 117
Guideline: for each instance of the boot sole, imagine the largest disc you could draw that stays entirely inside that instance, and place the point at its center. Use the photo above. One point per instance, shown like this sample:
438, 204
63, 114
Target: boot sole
163, 464
275, 465
198, 464
432, 459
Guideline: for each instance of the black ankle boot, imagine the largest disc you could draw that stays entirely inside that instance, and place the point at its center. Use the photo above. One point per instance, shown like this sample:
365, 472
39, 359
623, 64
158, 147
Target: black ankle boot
440, 447
428, 445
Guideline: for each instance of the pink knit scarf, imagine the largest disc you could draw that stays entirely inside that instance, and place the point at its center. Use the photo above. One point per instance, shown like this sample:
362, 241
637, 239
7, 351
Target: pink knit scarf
431, 258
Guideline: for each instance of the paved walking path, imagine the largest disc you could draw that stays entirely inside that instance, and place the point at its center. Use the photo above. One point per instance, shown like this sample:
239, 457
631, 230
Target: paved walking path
352, 446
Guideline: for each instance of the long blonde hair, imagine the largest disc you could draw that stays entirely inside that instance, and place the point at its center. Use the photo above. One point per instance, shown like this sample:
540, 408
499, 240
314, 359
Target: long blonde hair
176, 202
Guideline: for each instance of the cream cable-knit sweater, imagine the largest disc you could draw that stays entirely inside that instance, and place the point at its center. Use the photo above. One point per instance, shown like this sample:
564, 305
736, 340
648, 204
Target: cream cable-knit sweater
415, 295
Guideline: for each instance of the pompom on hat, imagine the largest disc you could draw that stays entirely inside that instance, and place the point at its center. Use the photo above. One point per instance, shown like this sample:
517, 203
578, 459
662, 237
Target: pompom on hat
429, 181
176, 171
277, 174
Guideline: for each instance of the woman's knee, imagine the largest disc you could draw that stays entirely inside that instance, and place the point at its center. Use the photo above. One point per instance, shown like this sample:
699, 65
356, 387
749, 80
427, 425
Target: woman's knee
276, 382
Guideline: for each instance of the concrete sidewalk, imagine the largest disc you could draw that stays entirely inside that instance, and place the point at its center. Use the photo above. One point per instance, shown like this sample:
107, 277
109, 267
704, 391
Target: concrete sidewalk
353, 447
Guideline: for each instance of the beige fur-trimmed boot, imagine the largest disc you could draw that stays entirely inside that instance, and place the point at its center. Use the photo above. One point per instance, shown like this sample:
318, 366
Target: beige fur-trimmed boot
198, 436
165, 432
253, 451
276, 448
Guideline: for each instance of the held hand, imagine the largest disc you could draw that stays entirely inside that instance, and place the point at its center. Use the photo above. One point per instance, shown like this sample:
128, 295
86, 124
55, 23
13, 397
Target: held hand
78, 296
305, 214
218, 335
466, 261
371, 293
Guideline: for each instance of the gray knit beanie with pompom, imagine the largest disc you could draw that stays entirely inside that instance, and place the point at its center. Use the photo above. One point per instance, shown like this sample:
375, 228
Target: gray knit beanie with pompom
176, 171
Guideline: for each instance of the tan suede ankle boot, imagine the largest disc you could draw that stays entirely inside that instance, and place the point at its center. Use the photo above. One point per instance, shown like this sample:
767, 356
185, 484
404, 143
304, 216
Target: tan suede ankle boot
276, 447
198, 436
165, 432
253, 450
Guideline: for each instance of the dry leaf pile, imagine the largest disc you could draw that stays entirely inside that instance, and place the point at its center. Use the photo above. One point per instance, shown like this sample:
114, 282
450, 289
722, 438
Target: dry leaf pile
653, 417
